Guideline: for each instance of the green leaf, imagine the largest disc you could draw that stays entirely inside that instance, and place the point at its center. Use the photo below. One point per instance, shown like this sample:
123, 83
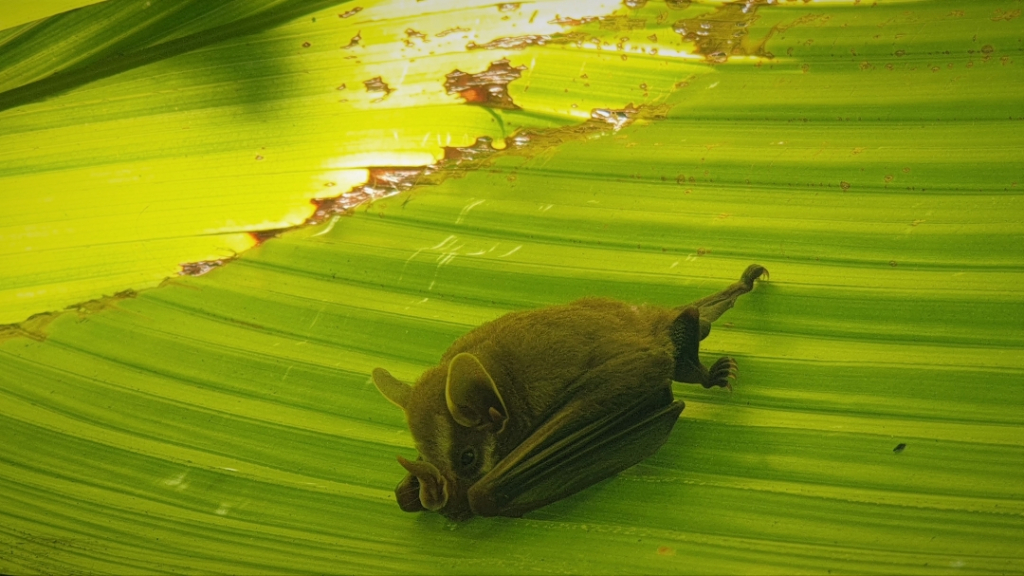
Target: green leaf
227, 423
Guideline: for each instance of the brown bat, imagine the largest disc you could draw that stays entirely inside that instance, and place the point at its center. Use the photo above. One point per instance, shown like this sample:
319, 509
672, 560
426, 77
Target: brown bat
538, 405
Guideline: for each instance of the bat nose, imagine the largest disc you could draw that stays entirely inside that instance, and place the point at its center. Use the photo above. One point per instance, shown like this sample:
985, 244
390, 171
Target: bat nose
433, 487
408, 494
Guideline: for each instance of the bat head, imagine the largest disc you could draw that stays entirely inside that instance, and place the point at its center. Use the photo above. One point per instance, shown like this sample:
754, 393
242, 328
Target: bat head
456, 415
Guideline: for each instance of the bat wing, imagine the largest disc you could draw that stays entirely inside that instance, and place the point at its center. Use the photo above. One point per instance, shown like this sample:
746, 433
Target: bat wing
585, 441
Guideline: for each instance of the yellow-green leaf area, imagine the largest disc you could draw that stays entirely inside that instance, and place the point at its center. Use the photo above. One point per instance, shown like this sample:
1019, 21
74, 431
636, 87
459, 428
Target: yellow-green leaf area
189, 126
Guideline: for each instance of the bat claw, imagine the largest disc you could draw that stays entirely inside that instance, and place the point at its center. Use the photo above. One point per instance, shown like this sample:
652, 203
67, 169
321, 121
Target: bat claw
721, 372
753, 272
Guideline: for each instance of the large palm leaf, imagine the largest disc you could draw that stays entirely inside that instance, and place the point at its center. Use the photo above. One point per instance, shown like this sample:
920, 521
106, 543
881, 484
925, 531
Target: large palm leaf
227, 422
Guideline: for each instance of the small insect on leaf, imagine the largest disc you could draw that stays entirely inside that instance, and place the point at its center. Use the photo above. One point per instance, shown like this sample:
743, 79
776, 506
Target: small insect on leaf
538, 405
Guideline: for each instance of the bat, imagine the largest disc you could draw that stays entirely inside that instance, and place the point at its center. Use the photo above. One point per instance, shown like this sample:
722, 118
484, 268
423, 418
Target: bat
537, 405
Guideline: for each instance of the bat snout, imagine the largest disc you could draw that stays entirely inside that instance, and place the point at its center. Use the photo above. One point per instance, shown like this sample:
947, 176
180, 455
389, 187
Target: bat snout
407, 493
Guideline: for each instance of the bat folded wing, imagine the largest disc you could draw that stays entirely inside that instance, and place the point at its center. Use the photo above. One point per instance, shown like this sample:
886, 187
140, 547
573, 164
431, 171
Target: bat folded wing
581, 444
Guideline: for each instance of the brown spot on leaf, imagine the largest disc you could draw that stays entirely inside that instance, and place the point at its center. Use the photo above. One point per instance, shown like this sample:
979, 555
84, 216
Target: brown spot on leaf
351, 12
488, 88
723, 32
411, 34
511, 42
482, 147
261, 236
1005, 15
354, 41
717, 34
666, 551
202, 267
378, 85
448, 31
382, 182
618, 118
531, 143
844, 185
401, 178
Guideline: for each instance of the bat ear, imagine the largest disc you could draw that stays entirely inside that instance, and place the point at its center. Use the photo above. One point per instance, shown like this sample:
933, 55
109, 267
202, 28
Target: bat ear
473, 398
392, 389
433, 488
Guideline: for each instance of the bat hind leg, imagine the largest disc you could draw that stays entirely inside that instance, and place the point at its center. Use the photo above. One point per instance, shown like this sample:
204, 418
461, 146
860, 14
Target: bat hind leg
712, 307
686, 332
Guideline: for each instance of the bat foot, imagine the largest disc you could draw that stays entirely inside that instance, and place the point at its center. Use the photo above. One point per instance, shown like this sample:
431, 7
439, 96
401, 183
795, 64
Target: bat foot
721, 374
753, 272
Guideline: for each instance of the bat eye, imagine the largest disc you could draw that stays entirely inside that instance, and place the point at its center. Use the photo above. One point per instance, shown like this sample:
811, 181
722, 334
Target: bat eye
467, 458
